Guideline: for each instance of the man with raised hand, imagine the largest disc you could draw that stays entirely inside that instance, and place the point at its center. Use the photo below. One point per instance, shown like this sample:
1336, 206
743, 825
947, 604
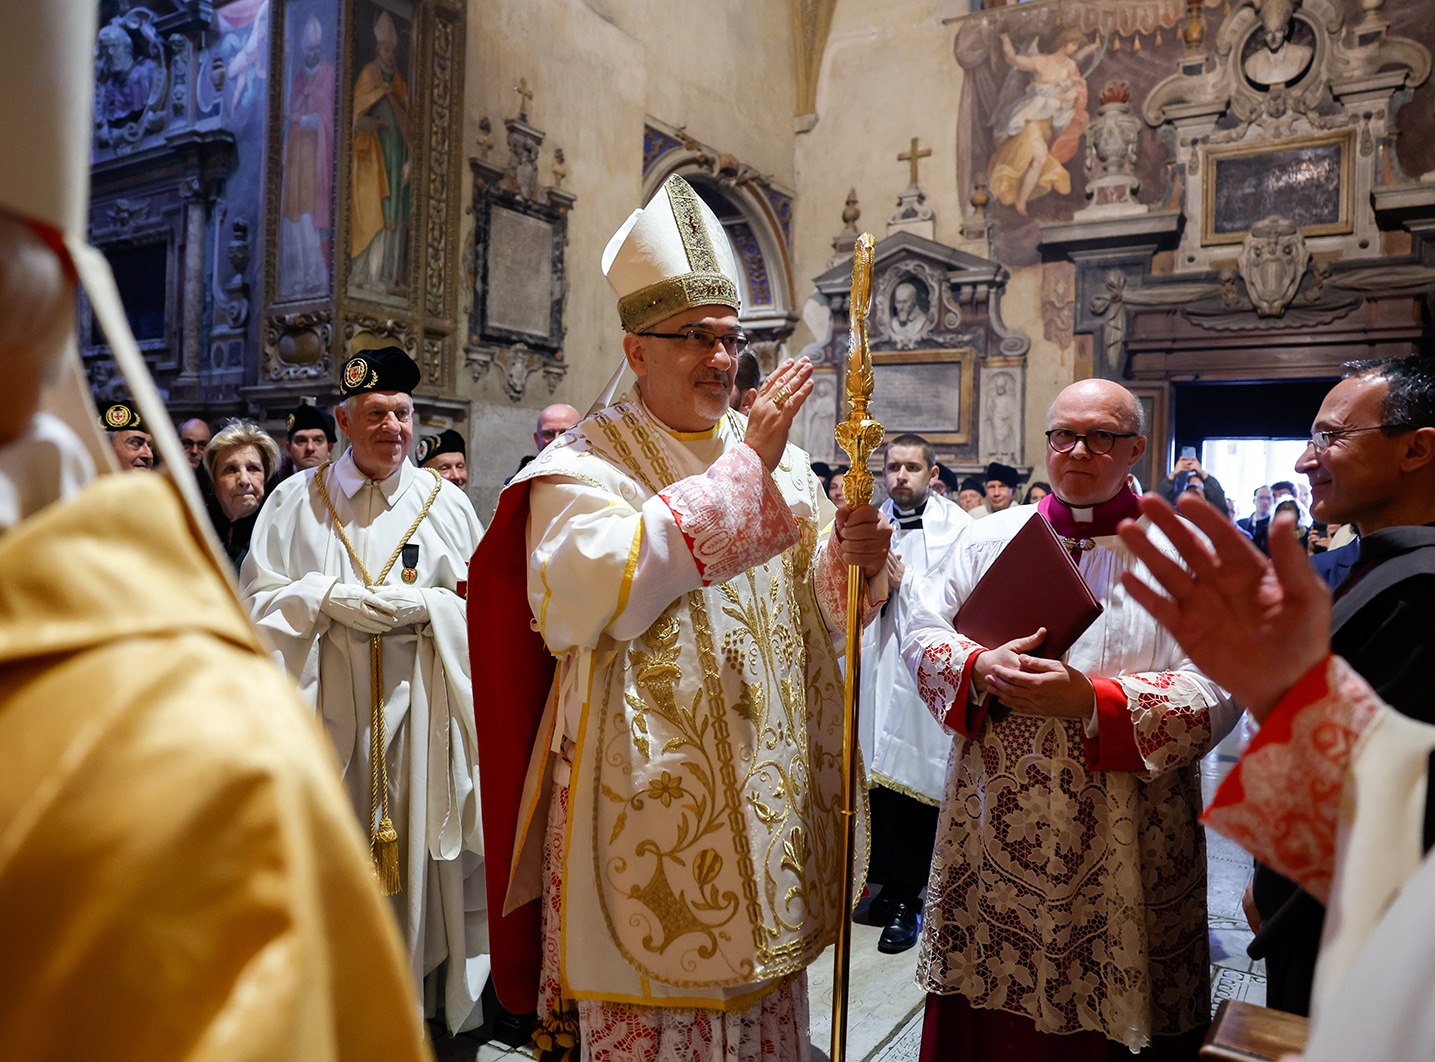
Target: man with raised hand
1066, 910
356, 571
680, 820
1371, 463
1335, 789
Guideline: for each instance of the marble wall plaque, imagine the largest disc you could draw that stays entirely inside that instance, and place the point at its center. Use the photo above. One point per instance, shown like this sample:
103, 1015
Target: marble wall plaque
520, 273
927, 392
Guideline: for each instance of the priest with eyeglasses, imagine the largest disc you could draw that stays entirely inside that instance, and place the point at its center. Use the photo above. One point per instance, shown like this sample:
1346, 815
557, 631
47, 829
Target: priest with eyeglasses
672, 573
1066, 908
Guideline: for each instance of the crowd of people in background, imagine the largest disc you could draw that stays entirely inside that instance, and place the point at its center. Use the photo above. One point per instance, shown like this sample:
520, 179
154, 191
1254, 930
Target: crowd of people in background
239, 464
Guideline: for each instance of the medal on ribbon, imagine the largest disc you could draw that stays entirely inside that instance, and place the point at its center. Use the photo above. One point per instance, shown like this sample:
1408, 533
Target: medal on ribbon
410, 573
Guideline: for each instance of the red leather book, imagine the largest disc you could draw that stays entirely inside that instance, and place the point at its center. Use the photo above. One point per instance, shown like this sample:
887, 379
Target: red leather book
1032, 583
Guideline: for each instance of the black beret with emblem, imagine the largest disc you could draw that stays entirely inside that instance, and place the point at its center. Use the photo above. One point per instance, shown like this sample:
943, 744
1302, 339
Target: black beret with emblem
121, 416
382, 369
447, 441
310, 418
1003, 474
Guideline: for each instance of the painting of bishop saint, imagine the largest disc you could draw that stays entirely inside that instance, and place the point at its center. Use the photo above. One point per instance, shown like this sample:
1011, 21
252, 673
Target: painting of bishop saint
382, 155
305, 222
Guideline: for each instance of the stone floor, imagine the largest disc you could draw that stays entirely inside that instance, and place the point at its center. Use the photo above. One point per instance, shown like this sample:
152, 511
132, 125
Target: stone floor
884, 1004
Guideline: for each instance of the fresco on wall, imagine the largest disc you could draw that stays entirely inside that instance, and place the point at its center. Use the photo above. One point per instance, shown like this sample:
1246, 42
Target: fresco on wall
305, 212
242, 51
382, 151
1036, 75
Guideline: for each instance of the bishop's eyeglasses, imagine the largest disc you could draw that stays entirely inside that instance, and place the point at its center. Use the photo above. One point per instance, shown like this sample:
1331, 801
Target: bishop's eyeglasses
700, 340
1064, 440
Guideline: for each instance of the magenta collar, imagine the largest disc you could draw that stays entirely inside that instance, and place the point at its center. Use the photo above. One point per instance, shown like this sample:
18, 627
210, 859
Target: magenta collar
1097, 522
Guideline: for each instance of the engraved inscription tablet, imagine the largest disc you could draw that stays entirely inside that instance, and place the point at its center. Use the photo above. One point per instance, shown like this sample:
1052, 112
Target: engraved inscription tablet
1306, 179
924, 391
920, 398
520, 273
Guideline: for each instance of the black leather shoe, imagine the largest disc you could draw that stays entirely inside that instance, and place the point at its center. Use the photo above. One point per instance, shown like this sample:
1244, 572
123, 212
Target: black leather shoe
902, 932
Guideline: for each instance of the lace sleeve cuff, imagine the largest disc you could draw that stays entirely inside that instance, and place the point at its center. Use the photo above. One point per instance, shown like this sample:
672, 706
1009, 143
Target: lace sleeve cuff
1281, 801
732, 517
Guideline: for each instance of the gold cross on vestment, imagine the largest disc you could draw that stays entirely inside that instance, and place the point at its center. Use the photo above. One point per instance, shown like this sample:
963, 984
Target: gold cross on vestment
524, 95
912, 156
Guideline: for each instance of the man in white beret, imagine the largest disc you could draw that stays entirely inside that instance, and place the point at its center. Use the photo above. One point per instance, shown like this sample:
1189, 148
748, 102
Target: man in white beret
669, 553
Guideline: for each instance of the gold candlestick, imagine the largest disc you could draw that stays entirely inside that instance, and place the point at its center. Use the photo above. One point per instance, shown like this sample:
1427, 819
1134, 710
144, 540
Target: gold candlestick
858, 435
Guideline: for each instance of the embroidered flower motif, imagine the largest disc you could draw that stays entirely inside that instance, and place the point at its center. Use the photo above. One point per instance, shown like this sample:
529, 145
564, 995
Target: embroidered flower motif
667, 789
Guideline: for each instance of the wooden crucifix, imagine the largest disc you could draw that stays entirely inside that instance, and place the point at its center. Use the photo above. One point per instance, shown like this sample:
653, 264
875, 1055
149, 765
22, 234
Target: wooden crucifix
912, 156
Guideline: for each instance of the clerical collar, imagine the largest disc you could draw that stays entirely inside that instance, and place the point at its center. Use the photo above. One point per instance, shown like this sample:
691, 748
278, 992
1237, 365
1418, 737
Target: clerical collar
1080, 525
909, 519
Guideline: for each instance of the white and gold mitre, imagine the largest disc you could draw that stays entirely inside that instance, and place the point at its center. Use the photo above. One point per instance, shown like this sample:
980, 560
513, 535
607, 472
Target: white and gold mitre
668, 257
48, 57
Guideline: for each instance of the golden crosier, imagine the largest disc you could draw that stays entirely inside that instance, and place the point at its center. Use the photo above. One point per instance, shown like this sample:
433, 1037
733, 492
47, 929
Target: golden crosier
859, 435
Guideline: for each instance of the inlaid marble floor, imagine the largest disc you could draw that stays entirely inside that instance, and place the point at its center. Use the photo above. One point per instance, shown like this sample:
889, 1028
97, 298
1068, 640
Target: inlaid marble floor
885, 1018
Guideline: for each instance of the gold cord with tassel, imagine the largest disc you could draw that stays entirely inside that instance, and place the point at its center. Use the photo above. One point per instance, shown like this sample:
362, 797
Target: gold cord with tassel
556, 1037
383, 838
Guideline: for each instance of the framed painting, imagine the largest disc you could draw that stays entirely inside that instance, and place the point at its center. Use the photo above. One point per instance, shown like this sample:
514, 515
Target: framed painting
1309, 179
306, 182
382, 185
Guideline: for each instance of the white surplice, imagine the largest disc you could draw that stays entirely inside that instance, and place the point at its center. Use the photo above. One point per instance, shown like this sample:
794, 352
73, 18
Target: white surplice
1068, 881
903, 746
295, 559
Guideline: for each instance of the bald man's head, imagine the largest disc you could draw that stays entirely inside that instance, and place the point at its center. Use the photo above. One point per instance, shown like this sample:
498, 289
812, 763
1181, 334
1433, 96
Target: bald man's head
194, 436
1089, 393
1095, 434
553, 421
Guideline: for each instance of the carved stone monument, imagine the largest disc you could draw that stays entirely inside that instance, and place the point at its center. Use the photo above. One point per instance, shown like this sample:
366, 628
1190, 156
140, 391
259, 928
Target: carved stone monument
947, 366
1111, 142
517, 262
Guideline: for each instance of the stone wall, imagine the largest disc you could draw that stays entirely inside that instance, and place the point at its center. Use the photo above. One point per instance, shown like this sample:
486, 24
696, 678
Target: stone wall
597, 70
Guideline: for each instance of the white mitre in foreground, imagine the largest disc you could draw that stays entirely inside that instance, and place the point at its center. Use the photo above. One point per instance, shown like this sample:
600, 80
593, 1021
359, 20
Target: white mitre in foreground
670, 256
44, 200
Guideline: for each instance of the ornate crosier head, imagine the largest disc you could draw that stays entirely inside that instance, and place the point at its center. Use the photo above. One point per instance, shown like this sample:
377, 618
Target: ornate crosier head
859, 435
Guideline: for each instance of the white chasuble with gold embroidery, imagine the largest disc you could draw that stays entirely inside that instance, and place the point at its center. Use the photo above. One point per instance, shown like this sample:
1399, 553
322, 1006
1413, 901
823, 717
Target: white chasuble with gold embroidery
686, 596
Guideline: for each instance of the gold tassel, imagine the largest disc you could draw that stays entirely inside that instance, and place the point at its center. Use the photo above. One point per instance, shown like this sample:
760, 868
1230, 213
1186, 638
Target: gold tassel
386, 857
1158, 38
556, 1037
1136, 43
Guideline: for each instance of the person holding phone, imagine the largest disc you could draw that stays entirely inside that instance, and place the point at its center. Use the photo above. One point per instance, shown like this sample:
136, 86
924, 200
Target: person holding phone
1188, 468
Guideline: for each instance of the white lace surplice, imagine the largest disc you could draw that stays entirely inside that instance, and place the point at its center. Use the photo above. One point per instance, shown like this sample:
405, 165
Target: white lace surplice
1068, 882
